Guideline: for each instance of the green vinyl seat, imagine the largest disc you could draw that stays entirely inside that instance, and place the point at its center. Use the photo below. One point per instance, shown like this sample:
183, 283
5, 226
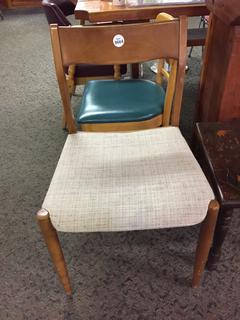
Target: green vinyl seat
111, 101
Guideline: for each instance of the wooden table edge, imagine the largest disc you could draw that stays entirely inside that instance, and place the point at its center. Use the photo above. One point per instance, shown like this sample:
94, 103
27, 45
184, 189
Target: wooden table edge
134, 13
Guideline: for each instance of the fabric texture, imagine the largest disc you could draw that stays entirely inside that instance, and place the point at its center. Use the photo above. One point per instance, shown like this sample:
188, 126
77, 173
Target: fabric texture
127, 181
108, 101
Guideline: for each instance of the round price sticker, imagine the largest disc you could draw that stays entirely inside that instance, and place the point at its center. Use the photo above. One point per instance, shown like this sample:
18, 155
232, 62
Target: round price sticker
118, 40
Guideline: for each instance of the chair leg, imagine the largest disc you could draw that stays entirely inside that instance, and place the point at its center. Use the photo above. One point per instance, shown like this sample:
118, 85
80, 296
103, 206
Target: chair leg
190, 52
64, 123
204, 242
54, 248
221, 230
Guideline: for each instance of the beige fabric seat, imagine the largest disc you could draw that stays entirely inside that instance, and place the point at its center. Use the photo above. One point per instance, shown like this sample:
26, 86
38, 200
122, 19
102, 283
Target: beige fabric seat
127, 181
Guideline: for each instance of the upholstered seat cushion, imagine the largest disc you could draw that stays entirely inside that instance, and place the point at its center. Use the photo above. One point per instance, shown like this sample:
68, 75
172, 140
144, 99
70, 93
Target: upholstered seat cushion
127, 181
106, 101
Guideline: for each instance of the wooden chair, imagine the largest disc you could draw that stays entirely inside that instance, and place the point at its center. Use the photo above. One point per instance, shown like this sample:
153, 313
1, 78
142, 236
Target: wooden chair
112, 105
122, 181
195, 37
56, 11
160, 65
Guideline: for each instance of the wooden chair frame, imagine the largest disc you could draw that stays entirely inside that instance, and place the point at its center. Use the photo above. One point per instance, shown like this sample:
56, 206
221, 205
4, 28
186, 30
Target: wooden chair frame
172, 45
43, 217
203, 247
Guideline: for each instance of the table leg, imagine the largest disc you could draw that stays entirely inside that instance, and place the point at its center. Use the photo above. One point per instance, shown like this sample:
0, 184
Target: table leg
135, 70
221, 230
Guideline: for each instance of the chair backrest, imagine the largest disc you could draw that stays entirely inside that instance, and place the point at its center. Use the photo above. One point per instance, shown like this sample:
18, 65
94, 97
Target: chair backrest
120, 44
56, 11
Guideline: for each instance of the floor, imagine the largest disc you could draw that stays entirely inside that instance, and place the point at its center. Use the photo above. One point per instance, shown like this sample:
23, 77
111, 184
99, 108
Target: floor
132, 275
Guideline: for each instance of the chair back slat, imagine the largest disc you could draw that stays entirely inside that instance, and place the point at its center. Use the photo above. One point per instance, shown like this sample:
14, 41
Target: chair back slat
117, 44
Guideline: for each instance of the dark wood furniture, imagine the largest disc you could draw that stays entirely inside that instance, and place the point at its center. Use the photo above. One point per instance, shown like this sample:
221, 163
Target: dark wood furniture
220, 85
23, 3
100, 11
219, 153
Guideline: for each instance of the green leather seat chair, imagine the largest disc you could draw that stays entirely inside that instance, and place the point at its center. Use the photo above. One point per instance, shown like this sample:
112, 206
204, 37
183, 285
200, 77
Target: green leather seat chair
115, 104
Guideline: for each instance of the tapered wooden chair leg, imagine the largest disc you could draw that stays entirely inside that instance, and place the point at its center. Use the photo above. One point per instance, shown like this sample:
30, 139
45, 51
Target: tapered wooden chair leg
54, 248
64, 123
205, 242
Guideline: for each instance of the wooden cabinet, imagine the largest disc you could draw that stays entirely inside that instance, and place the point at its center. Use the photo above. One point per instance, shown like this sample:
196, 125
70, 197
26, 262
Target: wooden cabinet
23, 3
220, 85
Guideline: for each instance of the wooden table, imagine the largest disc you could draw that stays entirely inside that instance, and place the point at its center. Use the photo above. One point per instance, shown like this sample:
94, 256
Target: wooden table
218, 151
102, 11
